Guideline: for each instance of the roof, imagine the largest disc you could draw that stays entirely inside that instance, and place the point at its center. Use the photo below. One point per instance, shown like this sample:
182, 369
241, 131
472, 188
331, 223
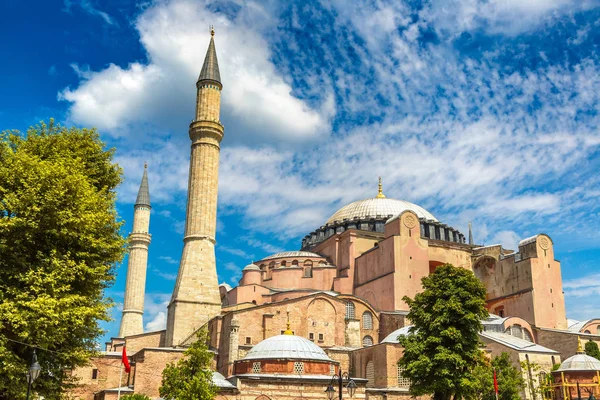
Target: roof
373, 207
220, 381
290, 254
143, 197
287, 347
393, 337
210, 68
580, 362
516, 343
251, 267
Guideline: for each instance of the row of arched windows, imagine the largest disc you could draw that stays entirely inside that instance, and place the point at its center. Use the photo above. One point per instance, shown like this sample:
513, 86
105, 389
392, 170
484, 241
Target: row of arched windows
367, 317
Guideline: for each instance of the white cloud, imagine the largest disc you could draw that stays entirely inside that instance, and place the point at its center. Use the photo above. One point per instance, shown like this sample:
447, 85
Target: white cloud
258, 102
155, 310
88, 7
508, 239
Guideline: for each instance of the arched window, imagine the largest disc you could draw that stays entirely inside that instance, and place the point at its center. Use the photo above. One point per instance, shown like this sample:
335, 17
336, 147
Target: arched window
322, 262
308, 271
308, 263
270, 270
349, 310
527, 335
367, 341
367, 320
295, 262
370, 374
402, 381
284, 263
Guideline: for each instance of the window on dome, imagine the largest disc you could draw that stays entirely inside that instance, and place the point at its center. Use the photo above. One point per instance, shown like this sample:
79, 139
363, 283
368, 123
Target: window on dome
367, 320
527, 335
298, 367
402, 381
350, 310
295, 262
370, 374
256, 367
284, 263
367, 341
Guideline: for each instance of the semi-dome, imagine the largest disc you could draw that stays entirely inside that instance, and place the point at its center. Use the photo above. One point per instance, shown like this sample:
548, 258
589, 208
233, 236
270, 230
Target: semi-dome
377, 206
251, 267
290, 254
393, 337
287, 347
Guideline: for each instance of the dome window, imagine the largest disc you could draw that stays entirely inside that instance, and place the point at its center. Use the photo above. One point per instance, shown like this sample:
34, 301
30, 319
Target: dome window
256, 368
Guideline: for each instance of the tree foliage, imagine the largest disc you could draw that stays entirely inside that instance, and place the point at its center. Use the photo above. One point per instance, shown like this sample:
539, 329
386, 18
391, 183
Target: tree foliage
191, 377
59, 241
442, 350
135, 396
591, 349
510, 381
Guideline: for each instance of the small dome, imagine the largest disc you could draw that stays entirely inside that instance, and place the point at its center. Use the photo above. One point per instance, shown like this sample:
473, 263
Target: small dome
219, 381
290, 254
371, 208
287, 347
251, 267
580, 362
393, 337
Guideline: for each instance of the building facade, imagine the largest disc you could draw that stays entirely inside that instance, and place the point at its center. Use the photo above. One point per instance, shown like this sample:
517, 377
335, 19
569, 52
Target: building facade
340, 294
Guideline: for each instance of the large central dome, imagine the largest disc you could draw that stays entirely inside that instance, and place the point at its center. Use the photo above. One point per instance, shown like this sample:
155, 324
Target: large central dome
377, 206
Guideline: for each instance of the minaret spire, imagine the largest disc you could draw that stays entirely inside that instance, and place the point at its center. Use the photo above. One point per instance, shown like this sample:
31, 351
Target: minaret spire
210, 68
471, 233
139, 241
196, 296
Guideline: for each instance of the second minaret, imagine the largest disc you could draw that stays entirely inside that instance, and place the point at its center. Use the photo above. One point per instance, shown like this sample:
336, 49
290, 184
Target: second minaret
196, 295
135, 286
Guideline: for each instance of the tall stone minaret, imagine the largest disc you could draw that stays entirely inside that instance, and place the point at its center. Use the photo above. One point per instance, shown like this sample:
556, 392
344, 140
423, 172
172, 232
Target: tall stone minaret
196, 295
139, 240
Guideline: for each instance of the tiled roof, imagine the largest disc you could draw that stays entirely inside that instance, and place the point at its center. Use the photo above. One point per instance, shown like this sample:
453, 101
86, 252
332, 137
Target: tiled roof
516, 343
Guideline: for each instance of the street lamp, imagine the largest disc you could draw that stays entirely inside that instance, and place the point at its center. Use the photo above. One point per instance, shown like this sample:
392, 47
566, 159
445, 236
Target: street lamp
350, 386
33, 373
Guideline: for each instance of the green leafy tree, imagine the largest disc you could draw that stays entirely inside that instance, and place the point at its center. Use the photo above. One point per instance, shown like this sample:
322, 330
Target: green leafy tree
59, 241
510, 381
442, 350
135, 396
591, 349
191, 377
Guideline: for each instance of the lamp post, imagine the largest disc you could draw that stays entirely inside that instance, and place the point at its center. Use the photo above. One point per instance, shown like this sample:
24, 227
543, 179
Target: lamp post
351, 386
33, 373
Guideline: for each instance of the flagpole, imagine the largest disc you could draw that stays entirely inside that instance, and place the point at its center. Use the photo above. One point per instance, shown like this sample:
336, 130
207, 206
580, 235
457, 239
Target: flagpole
120, 380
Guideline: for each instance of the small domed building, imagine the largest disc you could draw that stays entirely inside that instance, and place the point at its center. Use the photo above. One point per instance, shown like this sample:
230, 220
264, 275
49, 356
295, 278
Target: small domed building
577, 375
287, 361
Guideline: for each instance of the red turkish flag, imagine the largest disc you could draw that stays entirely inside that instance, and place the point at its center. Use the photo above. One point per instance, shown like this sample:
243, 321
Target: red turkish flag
495, 383
125, 360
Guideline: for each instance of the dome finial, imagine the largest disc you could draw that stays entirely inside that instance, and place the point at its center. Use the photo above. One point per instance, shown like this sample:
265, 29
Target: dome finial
380, 194
288, 331
212, 30
579, 346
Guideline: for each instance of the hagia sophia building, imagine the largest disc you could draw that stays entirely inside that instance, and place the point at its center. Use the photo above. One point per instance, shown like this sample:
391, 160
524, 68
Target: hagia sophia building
335, 305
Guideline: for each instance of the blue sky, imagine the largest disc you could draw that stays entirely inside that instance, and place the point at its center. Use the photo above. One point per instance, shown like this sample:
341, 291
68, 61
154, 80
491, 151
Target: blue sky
477, 110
